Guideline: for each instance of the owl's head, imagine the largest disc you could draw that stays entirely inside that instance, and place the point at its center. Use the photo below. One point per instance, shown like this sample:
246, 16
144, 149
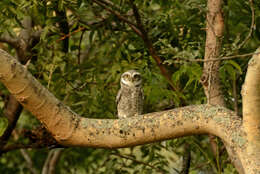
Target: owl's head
131, 78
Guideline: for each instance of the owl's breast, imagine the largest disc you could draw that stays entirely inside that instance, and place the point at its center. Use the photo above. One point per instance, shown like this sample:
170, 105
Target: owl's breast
131, 102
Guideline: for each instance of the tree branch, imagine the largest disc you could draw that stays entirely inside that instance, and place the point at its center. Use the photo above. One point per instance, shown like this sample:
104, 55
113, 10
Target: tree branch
251, 107
27, 158
186, 160
70, 129
63, 27
252, 25
12, 147
51, 161
29, 162
12, 112
24, 41
214, 33
137, 161
13, 41
119, 16
216, 59
54, 160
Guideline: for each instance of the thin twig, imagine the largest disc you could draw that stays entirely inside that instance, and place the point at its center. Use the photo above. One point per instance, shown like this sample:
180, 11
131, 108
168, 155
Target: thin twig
209, 82
137, 161
218, 58
51, 70
51, 161
26, 156
28, 161
45, 168
118, 15
54, 160
68, 35
111, 4
186, 160
252, 24
234, 89
80, 41
11, 147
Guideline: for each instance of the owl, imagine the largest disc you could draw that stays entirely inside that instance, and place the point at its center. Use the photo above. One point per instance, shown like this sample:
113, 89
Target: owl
130, 97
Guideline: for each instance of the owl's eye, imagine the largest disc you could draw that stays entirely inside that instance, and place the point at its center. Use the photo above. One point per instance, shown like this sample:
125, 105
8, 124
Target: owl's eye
137, 77
127, 76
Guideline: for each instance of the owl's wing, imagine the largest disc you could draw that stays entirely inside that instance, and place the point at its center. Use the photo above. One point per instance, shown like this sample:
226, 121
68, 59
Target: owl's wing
142, 93
141, 102
118, 97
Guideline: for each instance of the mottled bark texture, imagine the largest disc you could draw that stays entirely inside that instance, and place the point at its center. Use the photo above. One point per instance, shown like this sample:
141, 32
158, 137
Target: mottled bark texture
69, 129
251, 112
214, 33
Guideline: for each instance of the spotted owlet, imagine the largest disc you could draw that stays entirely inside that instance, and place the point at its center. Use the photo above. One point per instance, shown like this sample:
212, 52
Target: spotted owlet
130, 97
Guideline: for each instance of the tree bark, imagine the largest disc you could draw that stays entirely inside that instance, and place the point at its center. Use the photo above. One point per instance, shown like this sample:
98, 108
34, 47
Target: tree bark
251, 112
214, 33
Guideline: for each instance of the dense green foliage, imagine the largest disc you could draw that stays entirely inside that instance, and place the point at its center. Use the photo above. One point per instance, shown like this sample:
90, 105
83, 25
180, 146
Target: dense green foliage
83, 70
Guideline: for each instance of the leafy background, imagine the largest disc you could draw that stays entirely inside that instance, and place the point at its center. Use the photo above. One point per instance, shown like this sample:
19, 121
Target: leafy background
83, 71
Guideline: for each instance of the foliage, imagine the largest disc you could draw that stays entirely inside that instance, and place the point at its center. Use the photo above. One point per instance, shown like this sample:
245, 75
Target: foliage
83, 70
3, 125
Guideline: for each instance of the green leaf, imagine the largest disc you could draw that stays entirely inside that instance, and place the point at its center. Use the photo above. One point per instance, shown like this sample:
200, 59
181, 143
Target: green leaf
235, 65
3, 125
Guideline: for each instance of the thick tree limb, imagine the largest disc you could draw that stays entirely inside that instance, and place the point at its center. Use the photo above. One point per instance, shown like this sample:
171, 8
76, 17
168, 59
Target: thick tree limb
70, 129
251, 108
